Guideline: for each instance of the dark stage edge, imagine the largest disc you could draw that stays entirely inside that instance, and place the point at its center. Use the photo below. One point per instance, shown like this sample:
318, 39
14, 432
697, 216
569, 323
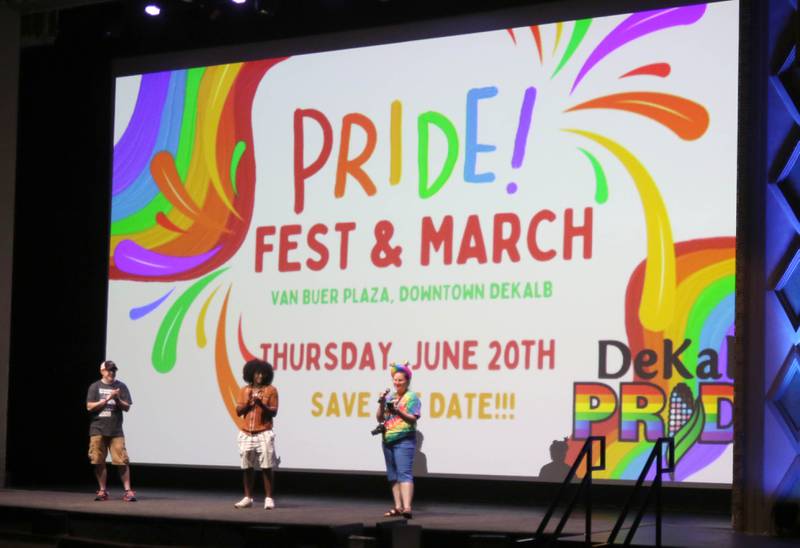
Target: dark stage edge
191, 518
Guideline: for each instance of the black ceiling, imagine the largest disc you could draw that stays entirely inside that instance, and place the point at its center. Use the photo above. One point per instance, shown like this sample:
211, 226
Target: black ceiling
122, 28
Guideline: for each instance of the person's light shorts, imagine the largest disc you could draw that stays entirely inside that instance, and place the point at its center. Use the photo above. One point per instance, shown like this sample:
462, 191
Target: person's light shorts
100, 445
257, 450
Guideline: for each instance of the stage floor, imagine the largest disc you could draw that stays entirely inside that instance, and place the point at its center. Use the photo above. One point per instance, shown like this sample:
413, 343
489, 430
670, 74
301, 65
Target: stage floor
194, 507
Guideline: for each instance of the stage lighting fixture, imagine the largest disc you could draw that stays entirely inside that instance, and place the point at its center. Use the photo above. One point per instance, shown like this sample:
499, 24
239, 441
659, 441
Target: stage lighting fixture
238, 1
152, 9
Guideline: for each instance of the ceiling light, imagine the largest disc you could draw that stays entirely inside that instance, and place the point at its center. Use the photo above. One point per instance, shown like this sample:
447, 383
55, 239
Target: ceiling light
152, 9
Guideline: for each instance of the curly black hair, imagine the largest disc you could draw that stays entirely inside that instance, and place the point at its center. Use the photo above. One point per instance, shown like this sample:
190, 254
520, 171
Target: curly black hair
257, 366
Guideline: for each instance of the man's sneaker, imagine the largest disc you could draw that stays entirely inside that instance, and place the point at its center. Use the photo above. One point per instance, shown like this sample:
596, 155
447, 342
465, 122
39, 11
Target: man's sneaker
246, 502
269, 504
130, 496
101, 494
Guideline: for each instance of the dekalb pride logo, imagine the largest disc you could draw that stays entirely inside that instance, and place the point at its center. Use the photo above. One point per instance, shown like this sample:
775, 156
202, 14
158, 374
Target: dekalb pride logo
642, 402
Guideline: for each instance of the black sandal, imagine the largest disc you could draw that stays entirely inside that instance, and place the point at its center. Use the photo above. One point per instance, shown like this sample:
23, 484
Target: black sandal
394, 512
407, 515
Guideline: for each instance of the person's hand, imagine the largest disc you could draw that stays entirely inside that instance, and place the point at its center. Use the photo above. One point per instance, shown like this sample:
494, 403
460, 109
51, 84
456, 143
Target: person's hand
382, 396
390, 407
113, 395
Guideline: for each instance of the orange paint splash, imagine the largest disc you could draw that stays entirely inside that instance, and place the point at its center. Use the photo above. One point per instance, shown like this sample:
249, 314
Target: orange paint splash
228, 387
165, 174
243, 347
687, 119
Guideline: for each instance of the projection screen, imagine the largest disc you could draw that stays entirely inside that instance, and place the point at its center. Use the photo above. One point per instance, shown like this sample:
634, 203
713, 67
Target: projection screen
540, 220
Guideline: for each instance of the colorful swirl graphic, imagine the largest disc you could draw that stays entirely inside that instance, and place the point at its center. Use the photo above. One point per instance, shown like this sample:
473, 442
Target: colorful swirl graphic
681, 292
183, 187
184, 173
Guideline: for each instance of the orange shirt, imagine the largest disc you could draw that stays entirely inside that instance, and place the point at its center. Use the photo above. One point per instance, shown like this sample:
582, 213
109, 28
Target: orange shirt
257, 419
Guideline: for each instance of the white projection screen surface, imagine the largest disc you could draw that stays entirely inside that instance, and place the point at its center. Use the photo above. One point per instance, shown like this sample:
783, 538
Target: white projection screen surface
541, 220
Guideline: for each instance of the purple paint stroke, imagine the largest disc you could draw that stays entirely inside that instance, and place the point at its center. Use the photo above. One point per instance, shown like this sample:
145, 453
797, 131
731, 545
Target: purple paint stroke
135, 147
140, 311
636, 26
725, 412
131, 258
523, 127
699, 456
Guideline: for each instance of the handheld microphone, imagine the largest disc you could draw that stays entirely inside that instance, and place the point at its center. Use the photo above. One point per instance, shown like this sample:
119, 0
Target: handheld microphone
383, 395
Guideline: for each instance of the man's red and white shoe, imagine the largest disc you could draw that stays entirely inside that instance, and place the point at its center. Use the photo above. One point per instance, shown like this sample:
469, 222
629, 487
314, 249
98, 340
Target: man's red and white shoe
130, 496
101, 494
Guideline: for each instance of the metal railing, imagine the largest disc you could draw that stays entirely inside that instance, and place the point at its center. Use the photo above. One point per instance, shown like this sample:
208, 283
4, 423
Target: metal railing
586, 454
657, 455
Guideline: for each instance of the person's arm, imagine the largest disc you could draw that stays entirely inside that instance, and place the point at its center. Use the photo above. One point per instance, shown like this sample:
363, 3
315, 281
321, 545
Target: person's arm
408, 417
245, 402
93, 406
269, 402
123, 400
380, 415
123, 404
410, 414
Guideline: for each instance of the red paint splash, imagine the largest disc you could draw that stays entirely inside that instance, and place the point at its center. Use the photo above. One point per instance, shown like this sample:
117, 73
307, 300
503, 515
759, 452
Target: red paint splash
511, 33
662, 70
537, 37
164, 221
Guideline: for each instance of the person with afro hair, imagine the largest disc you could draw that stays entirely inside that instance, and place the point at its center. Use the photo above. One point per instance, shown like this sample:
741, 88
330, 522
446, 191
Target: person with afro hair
257, 404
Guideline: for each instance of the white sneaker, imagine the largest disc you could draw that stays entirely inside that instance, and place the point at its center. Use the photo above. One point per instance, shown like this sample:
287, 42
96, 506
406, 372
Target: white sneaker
246, 502
269, 504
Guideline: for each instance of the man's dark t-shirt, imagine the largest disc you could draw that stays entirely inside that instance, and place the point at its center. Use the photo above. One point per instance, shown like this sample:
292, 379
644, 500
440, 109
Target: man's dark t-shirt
108, 420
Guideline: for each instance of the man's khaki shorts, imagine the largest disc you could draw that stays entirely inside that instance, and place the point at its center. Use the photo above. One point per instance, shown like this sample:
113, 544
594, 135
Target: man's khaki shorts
99, 446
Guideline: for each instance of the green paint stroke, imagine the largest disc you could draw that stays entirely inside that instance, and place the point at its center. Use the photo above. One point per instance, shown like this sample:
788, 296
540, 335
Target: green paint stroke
686, 437
165, 347
578, 32
705, 304
601, 182
183, 157
143, 219
449, 130
238, 150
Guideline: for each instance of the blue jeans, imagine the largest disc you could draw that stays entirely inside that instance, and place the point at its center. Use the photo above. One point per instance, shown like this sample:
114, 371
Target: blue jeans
399, 458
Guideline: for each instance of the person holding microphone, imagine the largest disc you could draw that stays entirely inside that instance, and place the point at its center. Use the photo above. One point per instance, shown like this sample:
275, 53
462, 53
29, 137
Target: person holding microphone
398, 413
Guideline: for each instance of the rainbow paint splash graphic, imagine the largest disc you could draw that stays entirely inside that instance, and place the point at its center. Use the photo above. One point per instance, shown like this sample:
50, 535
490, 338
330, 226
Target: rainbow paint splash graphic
681, 292
183, 195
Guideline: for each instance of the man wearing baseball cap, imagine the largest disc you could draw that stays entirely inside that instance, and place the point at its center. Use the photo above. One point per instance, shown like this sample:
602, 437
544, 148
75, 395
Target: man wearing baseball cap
106, 399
